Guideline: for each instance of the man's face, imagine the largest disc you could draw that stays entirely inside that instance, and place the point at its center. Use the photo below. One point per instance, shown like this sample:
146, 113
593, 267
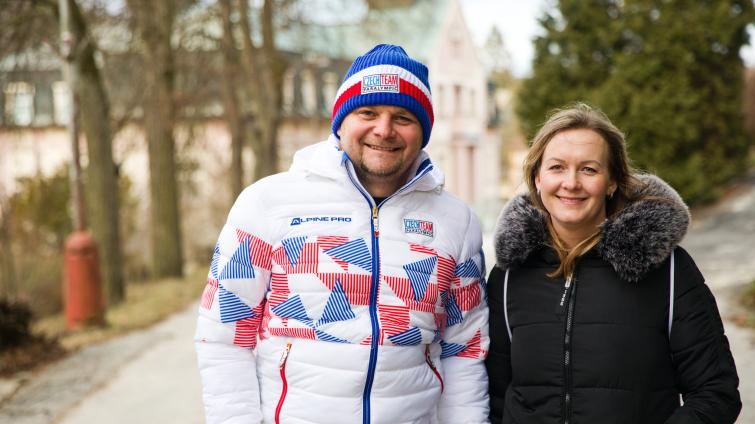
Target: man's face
383, 142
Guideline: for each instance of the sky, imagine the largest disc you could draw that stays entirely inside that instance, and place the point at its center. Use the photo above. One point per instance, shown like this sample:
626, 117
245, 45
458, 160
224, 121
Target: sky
517, 21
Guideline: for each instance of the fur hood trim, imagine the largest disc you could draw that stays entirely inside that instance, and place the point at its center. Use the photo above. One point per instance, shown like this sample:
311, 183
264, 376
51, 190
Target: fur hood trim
634, 241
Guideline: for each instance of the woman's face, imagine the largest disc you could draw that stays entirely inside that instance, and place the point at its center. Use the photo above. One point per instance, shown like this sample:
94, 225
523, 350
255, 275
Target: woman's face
573, 181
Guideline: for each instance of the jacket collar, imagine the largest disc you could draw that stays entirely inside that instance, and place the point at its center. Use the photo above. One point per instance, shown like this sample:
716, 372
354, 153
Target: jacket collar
326, 159
634, 241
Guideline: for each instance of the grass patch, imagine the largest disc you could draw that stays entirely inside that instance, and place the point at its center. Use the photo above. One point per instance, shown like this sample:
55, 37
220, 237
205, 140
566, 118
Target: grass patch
747, 299
146, 303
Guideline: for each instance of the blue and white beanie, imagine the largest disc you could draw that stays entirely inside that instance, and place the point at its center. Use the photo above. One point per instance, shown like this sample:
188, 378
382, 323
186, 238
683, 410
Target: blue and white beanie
386, 75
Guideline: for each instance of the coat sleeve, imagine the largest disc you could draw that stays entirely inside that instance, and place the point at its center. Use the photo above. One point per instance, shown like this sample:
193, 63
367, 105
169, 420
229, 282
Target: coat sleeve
230, 313
464, 341
498, 363
704, 367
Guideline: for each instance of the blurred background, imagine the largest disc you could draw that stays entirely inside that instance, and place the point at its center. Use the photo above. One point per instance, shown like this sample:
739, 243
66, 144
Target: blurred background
176, 105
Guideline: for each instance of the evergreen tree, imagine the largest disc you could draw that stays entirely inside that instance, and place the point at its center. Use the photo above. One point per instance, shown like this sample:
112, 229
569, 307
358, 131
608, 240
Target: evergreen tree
572, 58
668, 73
677, 91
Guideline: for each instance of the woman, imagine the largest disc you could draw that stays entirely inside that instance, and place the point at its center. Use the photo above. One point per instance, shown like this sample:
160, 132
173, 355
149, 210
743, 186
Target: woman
580, 294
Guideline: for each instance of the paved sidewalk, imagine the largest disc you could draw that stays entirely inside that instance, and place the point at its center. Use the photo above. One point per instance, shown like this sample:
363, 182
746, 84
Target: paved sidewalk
148, 376
723, 245
159, 386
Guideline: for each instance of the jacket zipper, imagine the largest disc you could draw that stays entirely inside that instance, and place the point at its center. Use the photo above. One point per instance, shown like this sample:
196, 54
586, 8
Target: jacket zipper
375, 227
282, 368
432, 366
571, 282
373, 316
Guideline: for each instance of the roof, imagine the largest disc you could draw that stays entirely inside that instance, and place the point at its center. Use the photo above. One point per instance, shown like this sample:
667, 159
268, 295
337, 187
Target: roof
414, 28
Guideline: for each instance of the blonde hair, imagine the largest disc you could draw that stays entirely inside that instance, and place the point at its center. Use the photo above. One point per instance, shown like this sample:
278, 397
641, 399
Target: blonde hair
582, 116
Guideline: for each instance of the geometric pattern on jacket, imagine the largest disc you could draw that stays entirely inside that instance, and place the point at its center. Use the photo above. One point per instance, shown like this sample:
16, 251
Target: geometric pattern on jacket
433, 287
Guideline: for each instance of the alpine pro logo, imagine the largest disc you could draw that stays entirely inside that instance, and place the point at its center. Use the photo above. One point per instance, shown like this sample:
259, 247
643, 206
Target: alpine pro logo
380, 83
418, 226
318, 219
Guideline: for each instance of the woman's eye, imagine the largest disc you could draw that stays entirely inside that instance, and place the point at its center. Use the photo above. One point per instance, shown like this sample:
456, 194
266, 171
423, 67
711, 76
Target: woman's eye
555, 168
589, 170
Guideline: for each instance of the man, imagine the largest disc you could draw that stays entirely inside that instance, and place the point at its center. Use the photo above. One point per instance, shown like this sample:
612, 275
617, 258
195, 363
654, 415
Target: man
358, 280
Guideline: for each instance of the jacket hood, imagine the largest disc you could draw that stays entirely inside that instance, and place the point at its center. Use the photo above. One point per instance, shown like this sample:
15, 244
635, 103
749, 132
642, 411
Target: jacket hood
634, 241
326, 159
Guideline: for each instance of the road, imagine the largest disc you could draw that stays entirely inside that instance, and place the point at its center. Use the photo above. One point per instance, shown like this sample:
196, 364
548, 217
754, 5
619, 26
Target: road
151, 377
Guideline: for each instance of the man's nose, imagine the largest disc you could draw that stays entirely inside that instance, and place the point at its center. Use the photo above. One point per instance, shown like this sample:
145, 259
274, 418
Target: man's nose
383, 126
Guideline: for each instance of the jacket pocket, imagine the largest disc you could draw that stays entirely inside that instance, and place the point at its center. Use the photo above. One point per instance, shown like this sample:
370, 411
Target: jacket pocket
284, 389
430, 363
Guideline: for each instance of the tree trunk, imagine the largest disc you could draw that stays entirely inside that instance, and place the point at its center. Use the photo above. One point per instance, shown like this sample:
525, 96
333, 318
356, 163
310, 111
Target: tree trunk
8, 283
231, 74
102, 181
154, 23
266, 68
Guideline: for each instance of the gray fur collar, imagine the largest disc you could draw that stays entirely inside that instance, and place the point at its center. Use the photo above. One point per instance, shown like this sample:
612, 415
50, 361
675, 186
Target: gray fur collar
634, 241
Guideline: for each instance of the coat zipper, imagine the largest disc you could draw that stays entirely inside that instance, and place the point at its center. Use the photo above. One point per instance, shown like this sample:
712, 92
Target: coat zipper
375, 227
373, 316
570, 285
432, 366
282, 368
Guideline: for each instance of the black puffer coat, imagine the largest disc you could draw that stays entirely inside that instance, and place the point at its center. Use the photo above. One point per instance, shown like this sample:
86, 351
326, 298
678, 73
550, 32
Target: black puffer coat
599, 352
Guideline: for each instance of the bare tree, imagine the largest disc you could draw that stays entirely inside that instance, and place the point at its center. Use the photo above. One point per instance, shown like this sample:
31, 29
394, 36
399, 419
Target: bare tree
8, 281
264, 67
29, 25
232, 73
153, 23
102, 181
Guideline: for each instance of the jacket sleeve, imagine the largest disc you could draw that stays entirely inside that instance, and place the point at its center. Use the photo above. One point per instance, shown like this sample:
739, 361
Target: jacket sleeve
230, 313
498, 362
704, 367
464, 341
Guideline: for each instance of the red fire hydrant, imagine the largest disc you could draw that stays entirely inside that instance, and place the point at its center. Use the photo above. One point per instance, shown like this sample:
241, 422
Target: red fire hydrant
82, 285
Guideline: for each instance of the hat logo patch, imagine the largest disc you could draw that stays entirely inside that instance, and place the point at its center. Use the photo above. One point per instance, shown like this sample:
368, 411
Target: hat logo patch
380, 83
418, 226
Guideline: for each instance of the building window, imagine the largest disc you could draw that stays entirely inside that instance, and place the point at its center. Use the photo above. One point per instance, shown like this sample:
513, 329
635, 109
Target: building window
330, 85
61, 103
457, 100
308, 92
19, 103
288, 91
439, 102
472, 103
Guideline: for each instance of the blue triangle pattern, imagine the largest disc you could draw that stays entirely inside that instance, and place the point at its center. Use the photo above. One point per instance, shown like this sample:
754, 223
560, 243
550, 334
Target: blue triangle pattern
321, 335
293, 247
354, 252
450, 349
453, 312
240, 265
419, 275
231, 307
215, 262
293, 308
338, 307
410, 337
468, 269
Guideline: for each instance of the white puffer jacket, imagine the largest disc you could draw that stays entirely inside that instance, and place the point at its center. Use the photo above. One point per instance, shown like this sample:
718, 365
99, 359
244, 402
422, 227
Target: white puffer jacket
358, 313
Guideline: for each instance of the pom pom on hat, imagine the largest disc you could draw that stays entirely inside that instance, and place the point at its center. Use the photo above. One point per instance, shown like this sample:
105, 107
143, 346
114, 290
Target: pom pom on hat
386, 75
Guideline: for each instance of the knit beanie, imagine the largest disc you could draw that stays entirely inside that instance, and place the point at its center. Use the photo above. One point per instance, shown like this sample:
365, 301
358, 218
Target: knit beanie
386, 75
